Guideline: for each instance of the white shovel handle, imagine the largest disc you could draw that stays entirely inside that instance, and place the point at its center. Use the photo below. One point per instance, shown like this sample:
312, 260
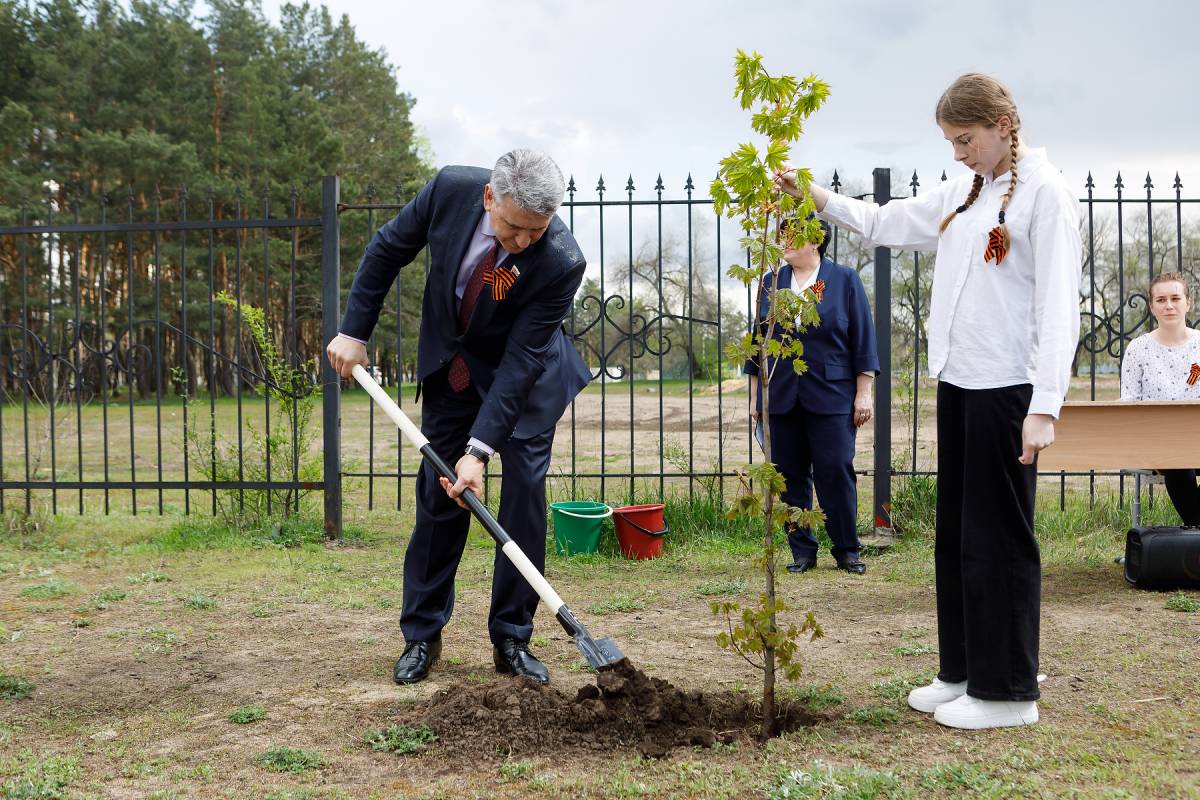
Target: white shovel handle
418, 439
406, 426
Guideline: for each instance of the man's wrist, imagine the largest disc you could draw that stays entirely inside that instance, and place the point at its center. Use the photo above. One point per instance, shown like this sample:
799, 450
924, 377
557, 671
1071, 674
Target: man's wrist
478, 453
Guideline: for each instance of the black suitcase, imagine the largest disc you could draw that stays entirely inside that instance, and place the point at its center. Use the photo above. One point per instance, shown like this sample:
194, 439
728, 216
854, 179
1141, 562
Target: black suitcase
1163, 558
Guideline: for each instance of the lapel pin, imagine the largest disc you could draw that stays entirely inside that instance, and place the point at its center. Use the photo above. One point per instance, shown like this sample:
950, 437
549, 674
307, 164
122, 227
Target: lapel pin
501, 280
818, 289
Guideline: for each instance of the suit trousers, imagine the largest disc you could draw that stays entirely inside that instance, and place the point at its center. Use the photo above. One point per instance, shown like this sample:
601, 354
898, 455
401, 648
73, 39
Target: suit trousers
818, 449
1184, 493
440, 532
988, 566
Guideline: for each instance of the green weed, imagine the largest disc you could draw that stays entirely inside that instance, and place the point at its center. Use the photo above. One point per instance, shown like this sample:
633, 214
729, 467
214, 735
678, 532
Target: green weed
898, 688
290, 759
721, 587
914, 503
149, 577
1182, 602
874, 715
161, 640
14, 688
815, 698
843, 783
623, 603
399, 739
51, 589
907, 650
40, 779
247, 714
199, 602
961, 778
515, 770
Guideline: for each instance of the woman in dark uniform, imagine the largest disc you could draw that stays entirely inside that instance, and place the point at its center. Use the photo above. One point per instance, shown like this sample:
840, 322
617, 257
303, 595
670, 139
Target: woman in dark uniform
815, 416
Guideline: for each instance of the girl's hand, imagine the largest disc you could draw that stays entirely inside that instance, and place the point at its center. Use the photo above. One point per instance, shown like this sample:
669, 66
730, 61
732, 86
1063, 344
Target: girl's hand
1037, 433
785, 181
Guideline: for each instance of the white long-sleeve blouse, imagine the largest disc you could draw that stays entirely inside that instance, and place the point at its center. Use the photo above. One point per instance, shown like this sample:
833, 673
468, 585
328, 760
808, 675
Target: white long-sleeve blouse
992, 325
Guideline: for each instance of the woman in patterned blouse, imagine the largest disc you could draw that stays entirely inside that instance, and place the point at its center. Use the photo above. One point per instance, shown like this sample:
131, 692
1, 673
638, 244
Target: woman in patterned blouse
1165, 365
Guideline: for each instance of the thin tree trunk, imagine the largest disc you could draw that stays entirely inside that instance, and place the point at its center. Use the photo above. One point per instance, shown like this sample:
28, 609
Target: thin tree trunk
770, 724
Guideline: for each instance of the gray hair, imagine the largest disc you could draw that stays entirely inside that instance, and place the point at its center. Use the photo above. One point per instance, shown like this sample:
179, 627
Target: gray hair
531, 179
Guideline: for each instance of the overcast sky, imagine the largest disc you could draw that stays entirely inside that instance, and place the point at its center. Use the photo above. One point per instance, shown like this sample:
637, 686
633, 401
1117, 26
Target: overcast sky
623, 87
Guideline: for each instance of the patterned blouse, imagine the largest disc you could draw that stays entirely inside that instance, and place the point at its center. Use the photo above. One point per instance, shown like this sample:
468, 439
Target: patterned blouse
1152, 371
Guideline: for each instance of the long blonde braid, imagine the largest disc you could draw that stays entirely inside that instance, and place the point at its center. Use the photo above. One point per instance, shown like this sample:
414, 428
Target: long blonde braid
1002, 229
976, 187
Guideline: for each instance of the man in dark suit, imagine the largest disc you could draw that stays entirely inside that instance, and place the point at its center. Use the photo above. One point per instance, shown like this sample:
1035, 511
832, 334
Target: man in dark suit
815, 415
496, 373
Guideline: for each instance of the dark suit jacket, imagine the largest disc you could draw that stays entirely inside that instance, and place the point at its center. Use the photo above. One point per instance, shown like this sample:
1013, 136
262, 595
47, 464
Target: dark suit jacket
515, 347
836, 351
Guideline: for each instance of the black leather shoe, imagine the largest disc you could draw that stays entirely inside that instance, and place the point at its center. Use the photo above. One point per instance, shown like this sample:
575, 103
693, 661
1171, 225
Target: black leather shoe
854, 565
413, 666
512, 657
802, 565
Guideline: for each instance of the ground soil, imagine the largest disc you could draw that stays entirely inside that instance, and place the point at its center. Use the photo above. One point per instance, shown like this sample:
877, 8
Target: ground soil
624, 709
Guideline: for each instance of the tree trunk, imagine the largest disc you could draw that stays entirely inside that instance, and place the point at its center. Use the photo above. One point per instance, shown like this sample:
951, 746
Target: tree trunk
769, 716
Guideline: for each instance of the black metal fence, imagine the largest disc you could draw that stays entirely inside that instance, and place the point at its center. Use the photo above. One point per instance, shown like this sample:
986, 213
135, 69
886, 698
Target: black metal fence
128, 364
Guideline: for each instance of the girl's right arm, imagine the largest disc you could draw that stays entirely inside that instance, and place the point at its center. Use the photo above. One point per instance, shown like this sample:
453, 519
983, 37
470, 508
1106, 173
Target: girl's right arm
909, 223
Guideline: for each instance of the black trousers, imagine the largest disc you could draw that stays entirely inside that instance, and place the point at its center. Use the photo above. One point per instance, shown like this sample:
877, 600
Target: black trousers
1184, 494
440, 532
818, 449
987, 559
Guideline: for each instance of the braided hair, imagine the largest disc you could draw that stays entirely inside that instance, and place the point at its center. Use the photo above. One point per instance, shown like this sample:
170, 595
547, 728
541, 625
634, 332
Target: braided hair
971, 198
975, 99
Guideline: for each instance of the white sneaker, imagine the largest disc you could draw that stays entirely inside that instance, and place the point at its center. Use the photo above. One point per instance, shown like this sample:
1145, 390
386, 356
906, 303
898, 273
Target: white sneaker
928, 698
971, 713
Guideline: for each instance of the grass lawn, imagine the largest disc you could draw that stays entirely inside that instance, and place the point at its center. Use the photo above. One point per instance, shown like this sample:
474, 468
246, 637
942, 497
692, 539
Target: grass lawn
175, 658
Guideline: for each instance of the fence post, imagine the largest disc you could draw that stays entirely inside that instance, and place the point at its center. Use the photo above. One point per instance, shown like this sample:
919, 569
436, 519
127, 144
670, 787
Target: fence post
331, 386
883, 383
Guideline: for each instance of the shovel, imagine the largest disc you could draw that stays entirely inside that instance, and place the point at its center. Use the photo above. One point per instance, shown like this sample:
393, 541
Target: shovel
599, 653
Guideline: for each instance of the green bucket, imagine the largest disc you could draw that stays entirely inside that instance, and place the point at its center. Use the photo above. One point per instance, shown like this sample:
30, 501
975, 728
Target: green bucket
577, 526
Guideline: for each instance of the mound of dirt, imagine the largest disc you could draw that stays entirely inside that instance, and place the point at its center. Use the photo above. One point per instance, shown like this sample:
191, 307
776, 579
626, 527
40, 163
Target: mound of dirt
624, 708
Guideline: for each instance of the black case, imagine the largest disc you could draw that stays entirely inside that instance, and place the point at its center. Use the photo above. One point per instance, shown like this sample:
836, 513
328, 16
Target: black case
1163, 558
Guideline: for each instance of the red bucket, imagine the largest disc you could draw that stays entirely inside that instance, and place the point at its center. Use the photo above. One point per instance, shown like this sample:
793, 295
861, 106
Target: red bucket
640, 530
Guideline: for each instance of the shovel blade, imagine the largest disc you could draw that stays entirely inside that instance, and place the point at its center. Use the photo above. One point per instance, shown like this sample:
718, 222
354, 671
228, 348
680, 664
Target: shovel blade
599, 653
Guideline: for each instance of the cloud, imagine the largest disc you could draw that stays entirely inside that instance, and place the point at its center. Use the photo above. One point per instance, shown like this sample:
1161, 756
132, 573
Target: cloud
643, 88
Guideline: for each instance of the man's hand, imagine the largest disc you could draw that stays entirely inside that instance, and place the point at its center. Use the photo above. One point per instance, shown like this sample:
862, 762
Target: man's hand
469, 470
344, 353
1037, 433
755, 381
863, 406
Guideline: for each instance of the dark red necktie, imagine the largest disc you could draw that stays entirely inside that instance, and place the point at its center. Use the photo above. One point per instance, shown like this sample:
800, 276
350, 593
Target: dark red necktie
459, 376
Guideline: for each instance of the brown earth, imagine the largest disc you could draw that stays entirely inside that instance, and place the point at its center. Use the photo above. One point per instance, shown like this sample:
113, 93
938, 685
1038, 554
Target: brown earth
624, 709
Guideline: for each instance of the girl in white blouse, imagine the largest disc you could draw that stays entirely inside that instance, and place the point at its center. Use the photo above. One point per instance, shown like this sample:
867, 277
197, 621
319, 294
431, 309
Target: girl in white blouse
1165, 365
1003, 325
